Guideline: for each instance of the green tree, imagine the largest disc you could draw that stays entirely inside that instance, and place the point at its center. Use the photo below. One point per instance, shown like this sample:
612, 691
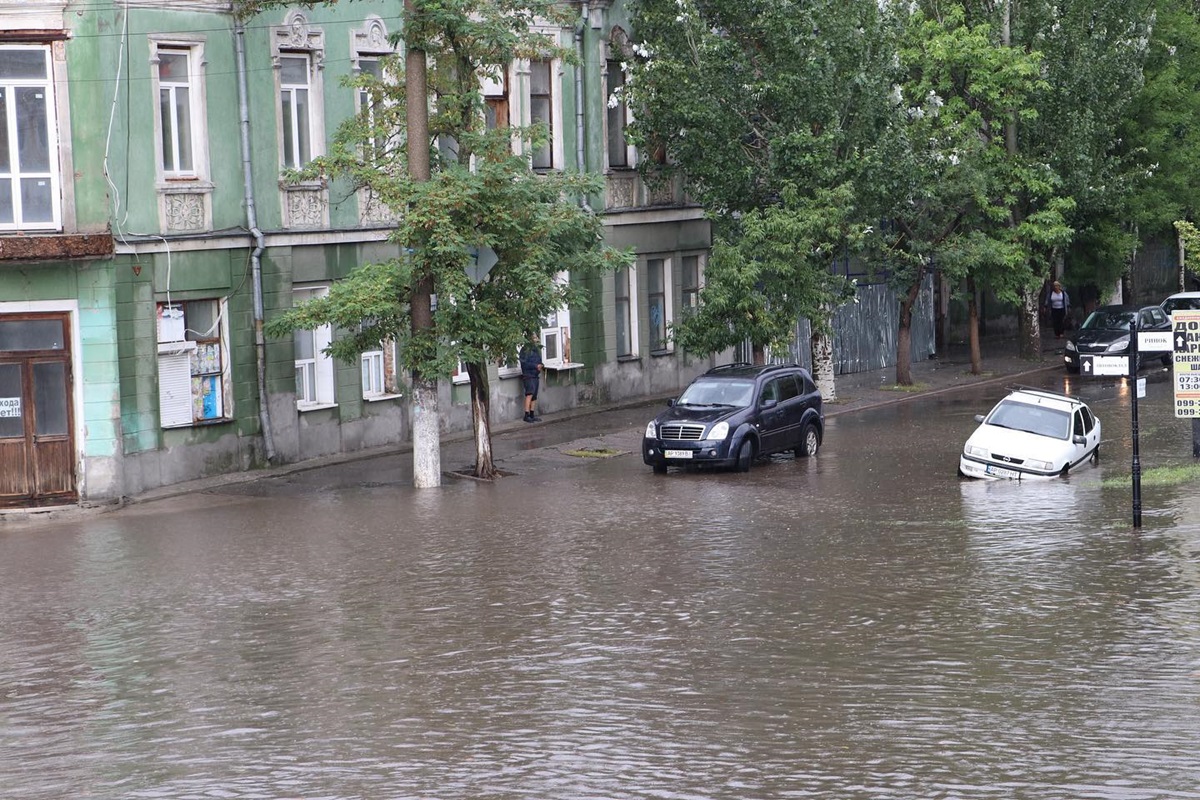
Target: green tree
481, 197
765, 107
945, 176
1163, 123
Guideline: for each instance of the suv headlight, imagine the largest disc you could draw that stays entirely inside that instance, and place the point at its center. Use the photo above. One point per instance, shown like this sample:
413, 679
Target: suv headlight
1118, 345
718, 431
975, 450
651, 430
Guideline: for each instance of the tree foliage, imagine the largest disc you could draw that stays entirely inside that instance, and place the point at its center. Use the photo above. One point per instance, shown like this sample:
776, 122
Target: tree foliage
765, 107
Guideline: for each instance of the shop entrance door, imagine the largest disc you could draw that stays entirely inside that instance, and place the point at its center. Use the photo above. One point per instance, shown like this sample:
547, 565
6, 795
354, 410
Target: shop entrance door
37, 444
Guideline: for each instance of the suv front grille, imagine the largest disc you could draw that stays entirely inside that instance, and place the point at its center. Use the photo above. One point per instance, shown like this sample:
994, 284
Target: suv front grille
690, 433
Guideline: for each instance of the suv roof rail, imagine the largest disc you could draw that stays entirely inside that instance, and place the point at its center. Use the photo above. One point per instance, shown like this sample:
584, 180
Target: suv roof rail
747, 364
1020, 387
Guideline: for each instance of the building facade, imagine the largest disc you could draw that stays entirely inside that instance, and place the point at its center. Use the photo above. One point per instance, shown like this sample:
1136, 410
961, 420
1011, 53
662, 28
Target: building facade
146, 235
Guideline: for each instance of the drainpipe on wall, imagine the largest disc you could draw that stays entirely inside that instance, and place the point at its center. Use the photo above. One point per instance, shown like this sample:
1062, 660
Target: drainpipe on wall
260, 345
579, 148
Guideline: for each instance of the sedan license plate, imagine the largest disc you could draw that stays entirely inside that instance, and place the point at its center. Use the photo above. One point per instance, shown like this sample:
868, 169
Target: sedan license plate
677, 453
1001, 472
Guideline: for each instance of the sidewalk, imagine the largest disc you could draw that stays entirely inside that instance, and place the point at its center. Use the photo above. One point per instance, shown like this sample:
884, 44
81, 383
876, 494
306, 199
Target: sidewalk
590, 427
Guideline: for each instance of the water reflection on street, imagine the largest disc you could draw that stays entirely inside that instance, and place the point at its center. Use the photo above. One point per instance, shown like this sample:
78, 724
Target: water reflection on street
859, 625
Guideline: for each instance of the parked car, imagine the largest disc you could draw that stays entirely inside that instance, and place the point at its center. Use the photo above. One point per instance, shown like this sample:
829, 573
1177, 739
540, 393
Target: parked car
735, 413
1106, 332
1030, 434
1186, 301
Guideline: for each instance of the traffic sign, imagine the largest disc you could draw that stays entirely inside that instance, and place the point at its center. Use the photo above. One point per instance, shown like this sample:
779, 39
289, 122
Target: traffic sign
1185, 336
1154, 341
1103, 365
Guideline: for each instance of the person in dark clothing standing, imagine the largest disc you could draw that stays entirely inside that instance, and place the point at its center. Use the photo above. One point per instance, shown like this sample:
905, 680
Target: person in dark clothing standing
531, 374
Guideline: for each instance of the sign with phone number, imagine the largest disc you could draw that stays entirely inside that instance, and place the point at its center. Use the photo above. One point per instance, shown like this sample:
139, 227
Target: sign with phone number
1185, 340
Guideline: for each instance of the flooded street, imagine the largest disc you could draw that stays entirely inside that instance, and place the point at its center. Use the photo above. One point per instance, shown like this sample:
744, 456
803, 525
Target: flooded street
857, 626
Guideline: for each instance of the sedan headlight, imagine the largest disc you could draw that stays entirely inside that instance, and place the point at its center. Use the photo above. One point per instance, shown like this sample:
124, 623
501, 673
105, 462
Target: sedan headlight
651, 430
718, 431
1033, 463
1119, 346
1071, 345
975, 450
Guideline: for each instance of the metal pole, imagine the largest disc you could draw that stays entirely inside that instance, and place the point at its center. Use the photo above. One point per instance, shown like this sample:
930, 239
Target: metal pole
1137, 462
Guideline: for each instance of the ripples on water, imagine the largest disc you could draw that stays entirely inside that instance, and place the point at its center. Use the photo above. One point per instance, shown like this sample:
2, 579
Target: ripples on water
805, 631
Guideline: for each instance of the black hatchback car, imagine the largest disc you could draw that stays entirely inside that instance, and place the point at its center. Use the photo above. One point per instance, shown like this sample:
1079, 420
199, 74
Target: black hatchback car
1106, 332
735, 413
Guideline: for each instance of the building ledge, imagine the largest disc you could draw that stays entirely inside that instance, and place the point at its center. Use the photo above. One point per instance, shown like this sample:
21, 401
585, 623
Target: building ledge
55, 246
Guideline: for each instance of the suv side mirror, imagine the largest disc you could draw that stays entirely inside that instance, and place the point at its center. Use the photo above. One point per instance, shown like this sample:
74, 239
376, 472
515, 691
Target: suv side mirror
769, 403
671, 402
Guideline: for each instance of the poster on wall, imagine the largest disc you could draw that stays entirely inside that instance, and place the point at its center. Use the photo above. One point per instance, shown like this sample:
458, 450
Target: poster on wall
10, 406
206, 397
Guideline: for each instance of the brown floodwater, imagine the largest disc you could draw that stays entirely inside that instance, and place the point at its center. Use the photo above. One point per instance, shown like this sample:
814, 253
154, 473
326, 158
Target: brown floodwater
857, 626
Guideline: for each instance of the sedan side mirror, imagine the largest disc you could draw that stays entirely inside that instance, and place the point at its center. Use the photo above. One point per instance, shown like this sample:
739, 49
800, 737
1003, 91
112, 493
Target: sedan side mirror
1078, 439
979, 418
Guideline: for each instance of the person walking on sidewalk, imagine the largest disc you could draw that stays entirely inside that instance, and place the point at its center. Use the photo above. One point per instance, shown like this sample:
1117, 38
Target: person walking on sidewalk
531, 374
1059, 304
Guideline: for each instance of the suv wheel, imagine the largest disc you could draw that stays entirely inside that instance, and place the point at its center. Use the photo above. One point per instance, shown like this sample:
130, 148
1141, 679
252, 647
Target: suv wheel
745, 456
810, 442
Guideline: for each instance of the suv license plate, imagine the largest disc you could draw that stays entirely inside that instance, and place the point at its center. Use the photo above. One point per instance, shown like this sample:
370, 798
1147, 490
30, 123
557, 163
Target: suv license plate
677, 453
1001, 472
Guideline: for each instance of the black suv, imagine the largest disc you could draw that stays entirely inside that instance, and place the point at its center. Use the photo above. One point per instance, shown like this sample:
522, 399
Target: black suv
733, 414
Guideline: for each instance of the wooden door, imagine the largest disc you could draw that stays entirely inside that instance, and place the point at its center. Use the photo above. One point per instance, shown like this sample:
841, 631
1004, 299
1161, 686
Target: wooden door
37, 443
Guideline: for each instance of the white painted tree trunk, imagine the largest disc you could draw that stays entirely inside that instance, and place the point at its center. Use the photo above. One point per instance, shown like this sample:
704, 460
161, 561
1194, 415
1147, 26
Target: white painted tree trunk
822, 366
1031, 348
426, 436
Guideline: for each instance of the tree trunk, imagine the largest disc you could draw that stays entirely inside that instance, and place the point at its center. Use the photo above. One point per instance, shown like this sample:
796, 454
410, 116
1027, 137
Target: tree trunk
1182, 250
973, 328
1030, 344
426, 436
822, 365
758, 353
426, 427
904, 335
481, 421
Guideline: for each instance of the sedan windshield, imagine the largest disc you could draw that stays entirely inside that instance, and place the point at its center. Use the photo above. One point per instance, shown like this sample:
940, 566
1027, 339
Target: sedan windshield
1031, 419
1109, 321
718, 393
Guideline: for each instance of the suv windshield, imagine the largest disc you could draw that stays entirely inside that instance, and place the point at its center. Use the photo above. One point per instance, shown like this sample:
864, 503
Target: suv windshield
1031, 419
717, 393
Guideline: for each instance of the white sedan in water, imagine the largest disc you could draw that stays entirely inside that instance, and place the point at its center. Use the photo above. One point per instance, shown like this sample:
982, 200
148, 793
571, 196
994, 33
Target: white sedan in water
1031, 433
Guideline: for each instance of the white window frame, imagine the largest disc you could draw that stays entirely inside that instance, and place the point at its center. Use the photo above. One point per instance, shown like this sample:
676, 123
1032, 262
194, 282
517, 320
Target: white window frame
631, 313
193, 52
381, 361
556, 328
297, 39
524, 110
188, 361
297, 149
320, 365
617, 107
701, 262
49, 128
668, 279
